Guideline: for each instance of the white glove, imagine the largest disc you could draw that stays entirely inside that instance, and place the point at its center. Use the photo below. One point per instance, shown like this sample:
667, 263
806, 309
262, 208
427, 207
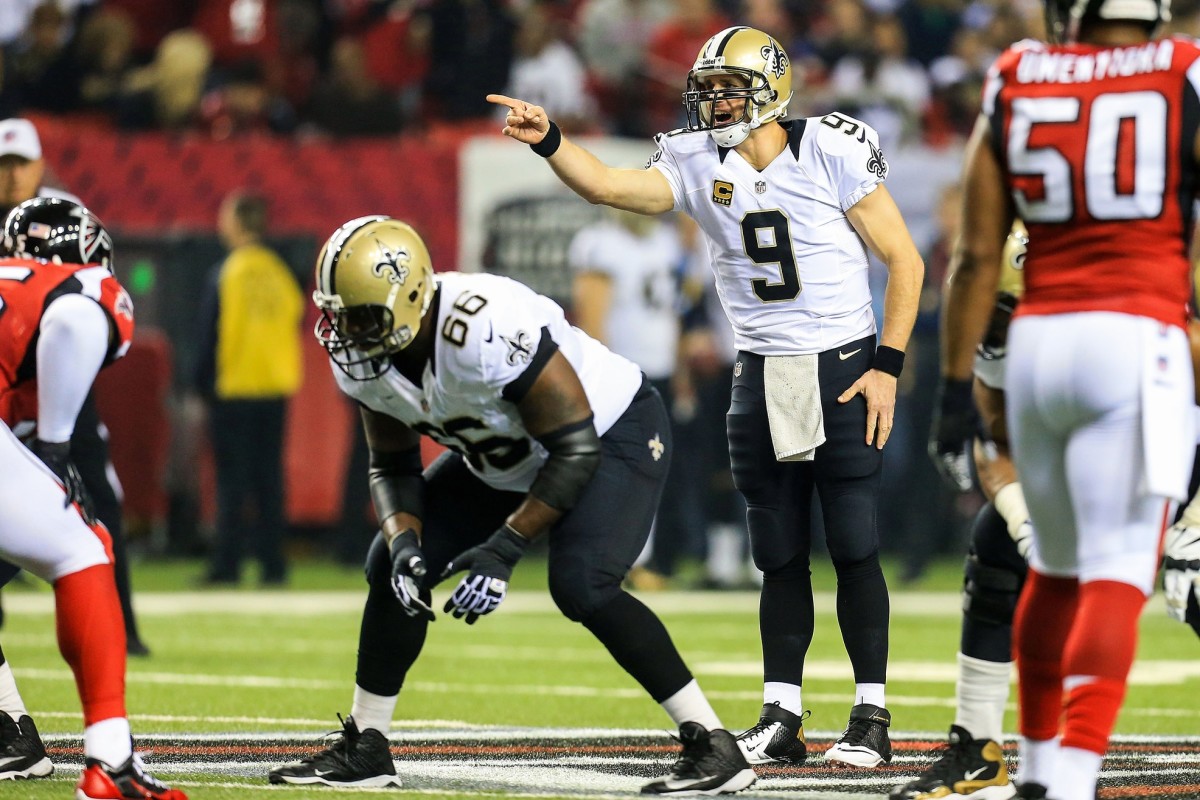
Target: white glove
1181, 569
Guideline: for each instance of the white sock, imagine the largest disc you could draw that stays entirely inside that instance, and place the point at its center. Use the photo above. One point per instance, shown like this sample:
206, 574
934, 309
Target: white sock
1038, 760
786, 694
109, 741
10, 698
373, 710
870, 693
724, 562
690, 705
1075, 775
982, 694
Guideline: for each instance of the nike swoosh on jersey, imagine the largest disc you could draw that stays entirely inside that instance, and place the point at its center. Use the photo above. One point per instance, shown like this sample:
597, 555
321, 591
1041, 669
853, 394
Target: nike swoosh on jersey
844, 356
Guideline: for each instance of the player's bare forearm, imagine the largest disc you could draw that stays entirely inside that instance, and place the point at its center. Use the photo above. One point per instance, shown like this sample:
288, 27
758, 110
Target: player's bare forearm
966, 309
902, 298
640, 191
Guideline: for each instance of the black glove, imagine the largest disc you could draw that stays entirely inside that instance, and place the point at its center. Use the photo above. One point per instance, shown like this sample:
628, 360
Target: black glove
408, 566
953, 428
57, 456
489, 566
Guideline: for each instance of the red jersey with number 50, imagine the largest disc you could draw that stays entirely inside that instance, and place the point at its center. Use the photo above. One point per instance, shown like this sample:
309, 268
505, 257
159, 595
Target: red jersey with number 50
27, 287
1096, 144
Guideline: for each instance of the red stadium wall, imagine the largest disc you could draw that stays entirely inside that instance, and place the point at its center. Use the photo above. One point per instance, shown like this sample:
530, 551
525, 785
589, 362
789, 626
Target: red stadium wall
158, 184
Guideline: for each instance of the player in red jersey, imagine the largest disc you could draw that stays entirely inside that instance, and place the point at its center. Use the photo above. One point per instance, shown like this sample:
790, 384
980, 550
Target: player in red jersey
1093, 143
60, 322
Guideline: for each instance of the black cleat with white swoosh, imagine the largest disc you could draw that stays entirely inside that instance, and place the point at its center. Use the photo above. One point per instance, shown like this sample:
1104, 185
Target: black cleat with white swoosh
22, 754
353, 758
711, 763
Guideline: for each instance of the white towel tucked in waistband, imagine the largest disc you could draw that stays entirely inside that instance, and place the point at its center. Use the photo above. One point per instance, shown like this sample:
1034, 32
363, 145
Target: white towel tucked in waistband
793, 406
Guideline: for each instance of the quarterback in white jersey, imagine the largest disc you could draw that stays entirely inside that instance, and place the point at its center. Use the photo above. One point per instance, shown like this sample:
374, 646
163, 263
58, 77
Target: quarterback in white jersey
789, 210
549, 434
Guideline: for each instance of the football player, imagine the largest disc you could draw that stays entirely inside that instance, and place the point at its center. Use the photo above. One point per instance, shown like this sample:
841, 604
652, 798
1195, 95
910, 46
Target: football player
1088, 143
550, 434
789, 211
972, 764
44, 527
22, 169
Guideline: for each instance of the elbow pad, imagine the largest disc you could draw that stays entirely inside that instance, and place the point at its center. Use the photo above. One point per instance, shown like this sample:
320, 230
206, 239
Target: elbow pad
396, 483
574, 457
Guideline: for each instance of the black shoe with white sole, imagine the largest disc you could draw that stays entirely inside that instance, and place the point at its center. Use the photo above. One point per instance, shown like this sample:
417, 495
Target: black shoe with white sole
777, 738
710, 764
865, 742
354, 758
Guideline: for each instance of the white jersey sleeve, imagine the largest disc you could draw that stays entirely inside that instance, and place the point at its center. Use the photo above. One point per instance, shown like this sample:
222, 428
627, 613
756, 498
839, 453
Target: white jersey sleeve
664, 161
847, 158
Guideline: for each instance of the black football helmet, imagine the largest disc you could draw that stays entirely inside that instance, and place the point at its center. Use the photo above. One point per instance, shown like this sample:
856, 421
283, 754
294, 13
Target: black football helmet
1064, 18
59, 230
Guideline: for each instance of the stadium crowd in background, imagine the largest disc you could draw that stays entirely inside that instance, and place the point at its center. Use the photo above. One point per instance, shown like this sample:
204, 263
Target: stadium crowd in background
910, 68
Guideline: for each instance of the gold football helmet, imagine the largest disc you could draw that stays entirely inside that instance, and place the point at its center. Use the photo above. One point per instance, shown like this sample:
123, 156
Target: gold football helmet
1012, 268
374, 284
759, 62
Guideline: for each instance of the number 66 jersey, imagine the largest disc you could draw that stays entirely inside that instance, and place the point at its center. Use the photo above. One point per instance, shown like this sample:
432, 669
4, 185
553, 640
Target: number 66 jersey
1098, 149
494, 336
791, 271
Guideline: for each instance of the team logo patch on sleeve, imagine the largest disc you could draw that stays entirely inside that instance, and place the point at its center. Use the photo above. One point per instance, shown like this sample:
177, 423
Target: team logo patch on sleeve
520, 348
722, 193
877, 164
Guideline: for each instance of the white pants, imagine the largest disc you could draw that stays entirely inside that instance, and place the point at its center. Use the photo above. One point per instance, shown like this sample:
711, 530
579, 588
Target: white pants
36, 532
1092, 399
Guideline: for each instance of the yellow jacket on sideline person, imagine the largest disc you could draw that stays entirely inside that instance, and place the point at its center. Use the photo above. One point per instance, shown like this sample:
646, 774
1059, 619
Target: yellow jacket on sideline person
258, 326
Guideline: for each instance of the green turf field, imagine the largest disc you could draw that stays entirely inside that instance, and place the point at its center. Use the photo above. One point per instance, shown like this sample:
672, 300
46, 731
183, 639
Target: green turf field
248, 662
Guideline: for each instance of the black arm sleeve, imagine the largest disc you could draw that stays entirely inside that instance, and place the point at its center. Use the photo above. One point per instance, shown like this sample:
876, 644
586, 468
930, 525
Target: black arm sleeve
396, 483
574, 457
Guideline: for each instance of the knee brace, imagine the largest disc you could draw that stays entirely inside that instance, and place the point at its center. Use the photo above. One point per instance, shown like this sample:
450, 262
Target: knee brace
990, 593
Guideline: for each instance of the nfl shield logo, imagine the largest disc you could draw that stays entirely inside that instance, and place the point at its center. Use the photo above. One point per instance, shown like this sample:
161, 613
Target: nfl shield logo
760, 187
737, 370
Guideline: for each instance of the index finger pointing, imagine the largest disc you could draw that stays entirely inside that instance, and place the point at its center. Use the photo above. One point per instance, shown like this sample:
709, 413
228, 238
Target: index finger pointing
504, 100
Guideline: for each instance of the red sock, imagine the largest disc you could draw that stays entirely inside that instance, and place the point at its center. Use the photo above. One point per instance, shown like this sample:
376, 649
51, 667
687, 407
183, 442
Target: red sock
1097, 659
91, 637
1040, 628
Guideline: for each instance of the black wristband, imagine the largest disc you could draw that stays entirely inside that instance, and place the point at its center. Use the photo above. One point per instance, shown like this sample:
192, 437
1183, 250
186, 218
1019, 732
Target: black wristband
548, 146
889, 360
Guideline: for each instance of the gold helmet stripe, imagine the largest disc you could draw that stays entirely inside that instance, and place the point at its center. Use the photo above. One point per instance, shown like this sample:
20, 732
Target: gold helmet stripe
333, 249
722, 39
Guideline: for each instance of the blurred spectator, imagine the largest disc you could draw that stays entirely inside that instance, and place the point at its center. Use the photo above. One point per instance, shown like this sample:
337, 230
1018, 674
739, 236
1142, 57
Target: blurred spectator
613, 36
16, 16
397, 51
167, 92
471, 54
103, 59
349, 102
299, 57
239, 30
957, 84
882, 86
38, 56
929, 25
250, 366
548, 72
671, 54
152, 21
845, 30
244, 103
